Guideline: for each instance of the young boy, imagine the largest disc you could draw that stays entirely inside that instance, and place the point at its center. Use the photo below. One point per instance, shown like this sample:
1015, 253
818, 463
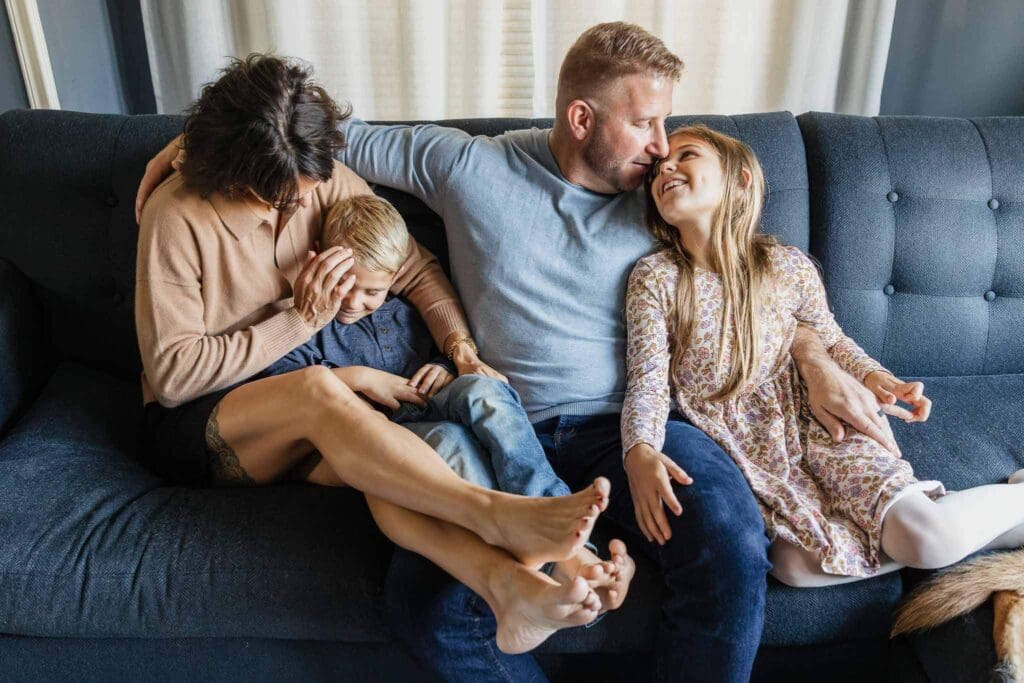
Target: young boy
383, 350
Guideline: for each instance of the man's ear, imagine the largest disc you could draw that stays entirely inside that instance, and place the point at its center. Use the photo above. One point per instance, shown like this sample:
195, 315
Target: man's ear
580, 116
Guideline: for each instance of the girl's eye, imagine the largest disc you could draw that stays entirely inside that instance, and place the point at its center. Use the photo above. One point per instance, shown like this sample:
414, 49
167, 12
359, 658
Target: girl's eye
643, 124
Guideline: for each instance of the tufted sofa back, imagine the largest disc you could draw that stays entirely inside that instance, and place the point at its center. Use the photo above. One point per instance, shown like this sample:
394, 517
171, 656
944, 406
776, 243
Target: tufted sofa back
919, 226
68, 182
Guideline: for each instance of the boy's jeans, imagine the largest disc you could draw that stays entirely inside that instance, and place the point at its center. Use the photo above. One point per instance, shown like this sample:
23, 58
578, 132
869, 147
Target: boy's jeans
491, 410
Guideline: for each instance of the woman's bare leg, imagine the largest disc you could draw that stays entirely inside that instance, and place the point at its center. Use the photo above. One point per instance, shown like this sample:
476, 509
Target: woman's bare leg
264, 429
528, 606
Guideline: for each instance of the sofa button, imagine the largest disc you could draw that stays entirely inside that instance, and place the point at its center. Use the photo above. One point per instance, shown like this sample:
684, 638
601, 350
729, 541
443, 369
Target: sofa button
993, 203
892, 197
990, 295
111, 201
889, 290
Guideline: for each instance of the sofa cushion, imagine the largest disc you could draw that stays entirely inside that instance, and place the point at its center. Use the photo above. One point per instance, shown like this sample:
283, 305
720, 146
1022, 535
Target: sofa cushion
96, 546
919, 226
975, 434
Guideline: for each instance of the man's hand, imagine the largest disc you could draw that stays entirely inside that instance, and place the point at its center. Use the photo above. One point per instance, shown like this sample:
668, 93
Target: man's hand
888, 389
650, 476
835, 398
385, 389
430, 379
468, 363
159, 167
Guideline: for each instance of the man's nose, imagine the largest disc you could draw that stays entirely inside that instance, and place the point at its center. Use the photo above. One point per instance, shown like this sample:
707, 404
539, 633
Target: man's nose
658, 147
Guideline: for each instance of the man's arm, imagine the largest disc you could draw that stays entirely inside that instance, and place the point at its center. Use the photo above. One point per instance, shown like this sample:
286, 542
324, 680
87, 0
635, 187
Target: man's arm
836, 397
419, 160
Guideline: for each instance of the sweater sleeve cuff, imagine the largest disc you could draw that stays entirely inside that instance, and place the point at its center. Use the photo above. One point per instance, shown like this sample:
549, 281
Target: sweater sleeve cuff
283, 332
445, 319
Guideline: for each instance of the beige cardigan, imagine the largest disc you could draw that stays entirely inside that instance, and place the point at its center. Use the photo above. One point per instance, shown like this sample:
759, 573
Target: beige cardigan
213, 287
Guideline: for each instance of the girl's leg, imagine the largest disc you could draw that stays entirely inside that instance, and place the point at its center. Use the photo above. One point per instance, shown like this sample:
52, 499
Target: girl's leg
264, 429
799, 568
927, 534
527, 605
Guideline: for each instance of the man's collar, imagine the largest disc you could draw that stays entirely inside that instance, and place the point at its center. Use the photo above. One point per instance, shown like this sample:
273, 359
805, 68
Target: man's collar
238, 215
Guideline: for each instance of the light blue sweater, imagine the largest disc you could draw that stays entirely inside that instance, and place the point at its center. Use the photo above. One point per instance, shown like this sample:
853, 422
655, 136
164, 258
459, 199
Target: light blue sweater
540, 263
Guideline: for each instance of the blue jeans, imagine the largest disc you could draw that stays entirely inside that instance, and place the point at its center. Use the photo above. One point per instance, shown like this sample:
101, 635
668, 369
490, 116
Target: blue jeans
491, 410
714, 566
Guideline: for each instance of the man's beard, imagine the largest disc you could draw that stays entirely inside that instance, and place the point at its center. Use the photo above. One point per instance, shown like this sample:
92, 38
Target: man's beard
601, 160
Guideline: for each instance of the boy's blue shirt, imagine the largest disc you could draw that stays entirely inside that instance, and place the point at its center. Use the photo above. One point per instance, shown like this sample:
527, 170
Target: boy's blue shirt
393, 338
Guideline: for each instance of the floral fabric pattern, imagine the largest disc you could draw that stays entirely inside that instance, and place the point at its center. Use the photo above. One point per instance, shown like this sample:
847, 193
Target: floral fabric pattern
821, 496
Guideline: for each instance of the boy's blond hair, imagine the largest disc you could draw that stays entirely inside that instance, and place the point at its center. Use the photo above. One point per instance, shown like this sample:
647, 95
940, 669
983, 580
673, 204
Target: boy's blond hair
372, 228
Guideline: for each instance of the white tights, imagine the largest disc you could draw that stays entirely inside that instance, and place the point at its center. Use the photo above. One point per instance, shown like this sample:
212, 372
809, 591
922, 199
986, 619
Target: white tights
922, 533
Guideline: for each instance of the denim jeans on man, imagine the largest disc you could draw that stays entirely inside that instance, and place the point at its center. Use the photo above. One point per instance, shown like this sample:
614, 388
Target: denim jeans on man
491, 410
714, 566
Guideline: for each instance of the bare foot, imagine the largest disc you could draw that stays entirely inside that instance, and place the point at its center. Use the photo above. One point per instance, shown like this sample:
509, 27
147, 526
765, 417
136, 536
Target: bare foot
609, 579
539, 530
532, 606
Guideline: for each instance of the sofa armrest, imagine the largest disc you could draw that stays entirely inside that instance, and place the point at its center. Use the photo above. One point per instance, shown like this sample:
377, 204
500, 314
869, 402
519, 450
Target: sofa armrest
20, 338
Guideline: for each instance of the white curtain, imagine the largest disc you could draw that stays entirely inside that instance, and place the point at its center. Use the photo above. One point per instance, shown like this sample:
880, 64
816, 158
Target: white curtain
433, 59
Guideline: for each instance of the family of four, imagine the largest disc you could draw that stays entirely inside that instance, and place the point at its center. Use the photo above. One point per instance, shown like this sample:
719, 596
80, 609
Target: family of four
622, 329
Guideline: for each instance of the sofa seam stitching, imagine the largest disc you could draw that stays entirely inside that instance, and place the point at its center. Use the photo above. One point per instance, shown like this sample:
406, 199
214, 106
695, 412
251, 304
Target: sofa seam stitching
892, 258
995, 222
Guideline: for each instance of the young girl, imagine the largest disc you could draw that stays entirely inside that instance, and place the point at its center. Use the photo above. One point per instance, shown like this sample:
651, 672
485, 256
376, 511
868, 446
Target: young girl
711, 319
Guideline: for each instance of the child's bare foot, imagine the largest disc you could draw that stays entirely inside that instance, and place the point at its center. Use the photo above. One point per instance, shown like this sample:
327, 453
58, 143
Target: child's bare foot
532, 606
539, 530
609, 579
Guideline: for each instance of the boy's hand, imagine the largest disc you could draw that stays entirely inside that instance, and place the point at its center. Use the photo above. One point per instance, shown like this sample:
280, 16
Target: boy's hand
430, 379
888, 389
386, 389
650, 476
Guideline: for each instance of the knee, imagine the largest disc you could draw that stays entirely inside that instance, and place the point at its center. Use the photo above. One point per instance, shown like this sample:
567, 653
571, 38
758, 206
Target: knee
790, 567
319, 387
920, 536
479, 388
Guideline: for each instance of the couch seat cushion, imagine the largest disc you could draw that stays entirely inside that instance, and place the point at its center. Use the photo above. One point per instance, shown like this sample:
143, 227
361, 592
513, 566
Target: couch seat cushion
95, 546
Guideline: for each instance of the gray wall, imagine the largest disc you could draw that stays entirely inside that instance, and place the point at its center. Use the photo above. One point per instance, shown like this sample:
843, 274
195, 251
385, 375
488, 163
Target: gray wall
12, 85
98, 54
956, 58
81, 46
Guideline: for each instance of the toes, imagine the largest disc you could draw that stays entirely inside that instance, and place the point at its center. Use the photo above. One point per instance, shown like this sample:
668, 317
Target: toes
577, 590
616, 547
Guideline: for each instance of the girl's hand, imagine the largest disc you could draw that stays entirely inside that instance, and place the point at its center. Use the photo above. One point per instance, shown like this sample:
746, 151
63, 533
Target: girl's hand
430, 379
650, 482
386, 389
320, 286
468, 363
888, 389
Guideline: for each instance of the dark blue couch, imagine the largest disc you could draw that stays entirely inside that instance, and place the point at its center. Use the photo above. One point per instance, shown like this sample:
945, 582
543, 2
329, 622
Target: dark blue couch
106, 573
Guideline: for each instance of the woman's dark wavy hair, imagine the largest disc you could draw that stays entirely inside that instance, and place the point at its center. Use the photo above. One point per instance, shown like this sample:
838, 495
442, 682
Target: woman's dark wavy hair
260, 126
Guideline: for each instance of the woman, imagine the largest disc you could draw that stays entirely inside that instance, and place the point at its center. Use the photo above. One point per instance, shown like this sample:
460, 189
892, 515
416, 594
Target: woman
711, 319
227, 284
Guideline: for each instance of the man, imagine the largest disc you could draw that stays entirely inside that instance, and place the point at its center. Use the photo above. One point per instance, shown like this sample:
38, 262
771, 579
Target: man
543, 229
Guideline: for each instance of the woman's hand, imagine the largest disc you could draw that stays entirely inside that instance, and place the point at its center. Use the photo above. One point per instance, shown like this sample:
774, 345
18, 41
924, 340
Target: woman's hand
430, 379
650, 476
159, 167
888, 389
468, 363
385, 389
322, 284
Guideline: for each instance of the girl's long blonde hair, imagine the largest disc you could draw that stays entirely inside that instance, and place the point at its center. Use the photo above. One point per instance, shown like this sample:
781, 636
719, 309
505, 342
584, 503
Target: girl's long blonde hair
739, 253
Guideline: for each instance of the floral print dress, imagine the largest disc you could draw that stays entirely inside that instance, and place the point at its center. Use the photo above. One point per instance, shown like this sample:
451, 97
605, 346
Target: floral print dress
821, 496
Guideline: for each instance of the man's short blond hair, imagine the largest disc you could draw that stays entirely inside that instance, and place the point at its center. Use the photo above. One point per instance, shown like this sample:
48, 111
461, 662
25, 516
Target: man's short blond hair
607, 52
372, 228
